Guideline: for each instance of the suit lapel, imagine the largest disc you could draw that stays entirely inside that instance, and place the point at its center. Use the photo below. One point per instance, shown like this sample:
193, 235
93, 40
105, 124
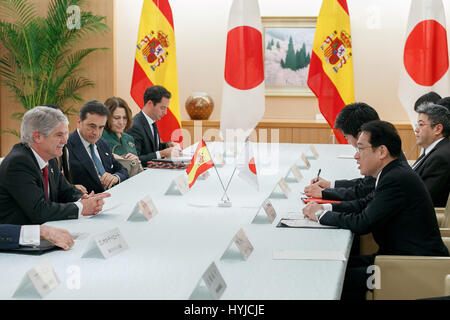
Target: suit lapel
36, 165
148, 131
83, 157
422, 161
103, 157
51, 183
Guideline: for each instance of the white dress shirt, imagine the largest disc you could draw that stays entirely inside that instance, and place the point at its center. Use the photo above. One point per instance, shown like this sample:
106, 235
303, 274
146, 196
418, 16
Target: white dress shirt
150, 123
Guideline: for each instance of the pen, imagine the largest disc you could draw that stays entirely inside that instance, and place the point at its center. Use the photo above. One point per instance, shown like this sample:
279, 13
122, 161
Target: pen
318, 174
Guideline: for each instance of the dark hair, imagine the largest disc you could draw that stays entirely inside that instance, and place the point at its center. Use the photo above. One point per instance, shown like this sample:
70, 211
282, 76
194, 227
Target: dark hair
430, 97
93, 107
384, 133
353, 116
112, 104
445, 102
155, 94
437, 115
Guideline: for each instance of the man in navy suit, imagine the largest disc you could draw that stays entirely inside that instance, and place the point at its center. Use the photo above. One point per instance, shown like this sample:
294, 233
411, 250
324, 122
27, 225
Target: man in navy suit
32, 189
144, 129
433, 166
91, 160
13, 236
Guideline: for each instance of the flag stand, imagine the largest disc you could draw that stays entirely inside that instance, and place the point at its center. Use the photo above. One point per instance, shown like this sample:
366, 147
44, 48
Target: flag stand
223, 202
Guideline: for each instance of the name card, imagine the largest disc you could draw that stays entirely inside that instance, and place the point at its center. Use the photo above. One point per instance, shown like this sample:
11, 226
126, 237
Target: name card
284, 187
243, 244
214, 281
314, 152
179, 186
268, 209
38, 281
108, 244
143, 210
306, 161
296, 172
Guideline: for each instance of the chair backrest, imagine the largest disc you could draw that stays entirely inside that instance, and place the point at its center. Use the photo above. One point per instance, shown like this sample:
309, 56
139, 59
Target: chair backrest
446, 221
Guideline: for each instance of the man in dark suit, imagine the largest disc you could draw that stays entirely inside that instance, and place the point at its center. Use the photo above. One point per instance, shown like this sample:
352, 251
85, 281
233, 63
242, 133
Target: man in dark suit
13, 236
144, 129
433, 166
349, 122
400, 216
91, 160
32, 189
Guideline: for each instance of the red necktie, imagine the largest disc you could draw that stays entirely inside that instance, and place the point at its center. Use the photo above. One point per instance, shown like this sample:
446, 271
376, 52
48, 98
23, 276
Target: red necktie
45, 175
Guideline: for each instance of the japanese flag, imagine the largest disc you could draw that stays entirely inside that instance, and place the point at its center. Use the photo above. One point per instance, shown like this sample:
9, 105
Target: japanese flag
243, 101
425, 65
246, 166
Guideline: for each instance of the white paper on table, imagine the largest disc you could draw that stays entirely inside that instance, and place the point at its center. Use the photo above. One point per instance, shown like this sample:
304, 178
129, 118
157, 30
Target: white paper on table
304, 223
307, 255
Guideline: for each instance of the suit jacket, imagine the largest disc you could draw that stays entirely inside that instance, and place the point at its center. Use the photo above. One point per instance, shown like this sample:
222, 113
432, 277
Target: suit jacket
22, 194
434, 169
353, 189
9, 236
143, 138
83, 168
400, 216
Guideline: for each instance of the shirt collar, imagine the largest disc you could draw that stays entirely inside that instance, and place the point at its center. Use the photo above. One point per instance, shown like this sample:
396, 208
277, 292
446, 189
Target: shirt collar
42, 164
150, 120
84, 142
431, 146
378, 177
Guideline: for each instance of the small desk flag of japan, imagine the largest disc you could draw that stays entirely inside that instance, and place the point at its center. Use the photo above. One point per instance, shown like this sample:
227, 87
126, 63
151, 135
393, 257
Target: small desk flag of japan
425, 55
243, 101
246, 166
201, 162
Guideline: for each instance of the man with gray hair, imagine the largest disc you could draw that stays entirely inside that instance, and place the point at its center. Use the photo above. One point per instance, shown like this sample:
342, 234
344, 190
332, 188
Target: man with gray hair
433, 166
32, 189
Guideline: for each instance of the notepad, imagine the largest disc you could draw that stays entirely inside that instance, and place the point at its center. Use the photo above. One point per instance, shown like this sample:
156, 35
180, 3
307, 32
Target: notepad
303, 223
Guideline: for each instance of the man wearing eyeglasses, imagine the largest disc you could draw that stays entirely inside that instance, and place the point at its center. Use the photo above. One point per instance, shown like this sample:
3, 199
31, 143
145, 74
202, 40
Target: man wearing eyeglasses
433, 165
400, 215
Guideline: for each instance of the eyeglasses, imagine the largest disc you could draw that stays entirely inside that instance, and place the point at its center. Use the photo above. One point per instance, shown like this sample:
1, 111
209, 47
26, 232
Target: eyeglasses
421, 125
359, 149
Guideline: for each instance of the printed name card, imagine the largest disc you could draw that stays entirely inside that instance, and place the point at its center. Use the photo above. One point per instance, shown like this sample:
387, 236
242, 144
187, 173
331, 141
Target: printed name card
214, 281
38, 281
143, 210
268, 209
284, 187
243, 244
296, 172
107, 244
314, 152
306, 161
179, 186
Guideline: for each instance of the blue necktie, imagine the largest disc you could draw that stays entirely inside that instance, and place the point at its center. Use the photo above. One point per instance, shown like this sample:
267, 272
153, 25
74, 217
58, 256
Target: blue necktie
97, 162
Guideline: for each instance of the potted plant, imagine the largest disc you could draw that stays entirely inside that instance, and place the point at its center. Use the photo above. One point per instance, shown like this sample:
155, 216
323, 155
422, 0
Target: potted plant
40, 65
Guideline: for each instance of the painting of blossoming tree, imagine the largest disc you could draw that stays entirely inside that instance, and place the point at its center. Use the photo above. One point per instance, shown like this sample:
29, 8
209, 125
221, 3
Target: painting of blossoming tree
287, 53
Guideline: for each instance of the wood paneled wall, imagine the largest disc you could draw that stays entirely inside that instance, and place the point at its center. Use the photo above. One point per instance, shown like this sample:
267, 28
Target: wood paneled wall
289, 131
99, 67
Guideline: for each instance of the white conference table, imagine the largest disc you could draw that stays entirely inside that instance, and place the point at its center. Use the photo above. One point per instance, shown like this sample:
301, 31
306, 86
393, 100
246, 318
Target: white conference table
168, 255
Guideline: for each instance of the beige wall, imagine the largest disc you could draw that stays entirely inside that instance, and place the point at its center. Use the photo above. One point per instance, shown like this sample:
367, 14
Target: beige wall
98, 67
378, 28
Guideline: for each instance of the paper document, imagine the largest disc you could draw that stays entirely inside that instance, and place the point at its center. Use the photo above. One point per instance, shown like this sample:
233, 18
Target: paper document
303, 223
308, 255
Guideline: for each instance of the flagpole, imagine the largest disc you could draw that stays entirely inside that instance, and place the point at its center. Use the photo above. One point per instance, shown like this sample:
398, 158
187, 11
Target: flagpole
223, 203
229, 183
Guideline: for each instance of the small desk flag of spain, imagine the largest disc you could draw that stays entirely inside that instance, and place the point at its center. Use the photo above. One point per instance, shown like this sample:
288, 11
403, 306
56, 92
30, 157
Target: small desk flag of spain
201, 162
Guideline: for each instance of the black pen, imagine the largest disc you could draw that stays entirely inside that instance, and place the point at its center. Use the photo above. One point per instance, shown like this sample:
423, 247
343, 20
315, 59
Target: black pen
318, 174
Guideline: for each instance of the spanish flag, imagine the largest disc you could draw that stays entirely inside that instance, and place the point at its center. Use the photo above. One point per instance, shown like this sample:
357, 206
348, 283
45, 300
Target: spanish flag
201, 162
331, 68
156, 64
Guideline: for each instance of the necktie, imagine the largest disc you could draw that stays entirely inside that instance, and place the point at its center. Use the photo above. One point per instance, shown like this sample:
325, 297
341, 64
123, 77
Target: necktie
97, 162
155, 135
45, 176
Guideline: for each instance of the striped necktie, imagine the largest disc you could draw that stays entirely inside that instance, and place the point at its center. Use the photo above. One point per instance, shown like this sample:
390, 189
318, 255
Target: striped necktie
97, 162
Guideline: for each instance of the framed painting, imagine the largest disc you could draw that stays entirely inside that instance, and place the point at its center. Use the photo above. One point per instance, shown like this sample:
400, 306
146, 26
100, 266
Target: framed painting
288, 43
